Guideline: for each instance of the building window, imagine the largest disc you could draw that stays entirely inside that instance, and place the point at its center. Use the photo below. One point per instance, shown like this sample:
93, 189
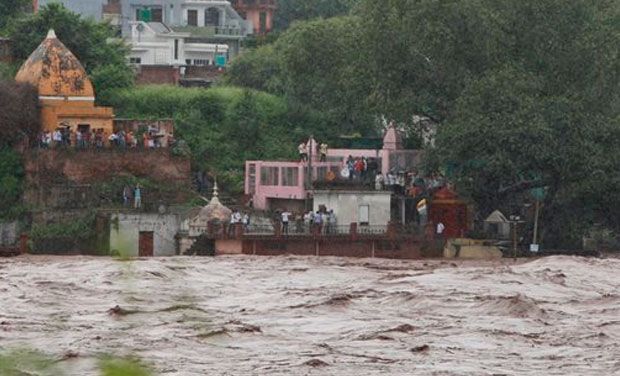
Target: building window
212, 17
202, 62
188, 61
290, 176
363, 215
176, 49
192, 17
149, 14
135, 60
269, 176
157, 15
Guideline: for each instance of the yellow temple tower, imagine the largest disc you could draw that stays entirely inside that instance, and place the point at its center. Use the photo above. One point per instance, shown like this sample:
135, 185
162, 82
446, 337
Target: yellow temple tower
66, 94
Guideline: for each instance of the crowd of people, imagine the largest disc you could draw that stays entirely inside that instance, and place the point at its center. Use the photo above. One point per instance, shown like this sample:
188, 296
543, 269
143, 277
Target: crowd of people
237, 217
323, 221
410, 183
305, 148
65, 137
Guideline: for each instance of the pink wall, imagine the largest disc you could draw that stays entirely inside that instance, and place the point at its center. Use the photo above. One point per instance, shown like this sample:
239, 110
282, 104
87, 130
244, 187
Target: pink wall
263, 192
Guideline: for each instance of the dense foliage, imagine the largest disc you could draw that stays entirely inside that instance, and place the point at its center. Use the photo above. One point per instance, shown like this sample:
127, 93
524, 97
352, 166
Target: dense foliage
10, 10
93, 43
299, 10
17, 125
527, 93
223, 126
11, 183
316, 63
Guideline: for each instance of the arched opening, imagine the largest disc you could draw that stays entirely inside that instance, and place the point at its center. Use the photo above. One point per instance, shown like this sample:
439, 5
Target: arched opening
212, 17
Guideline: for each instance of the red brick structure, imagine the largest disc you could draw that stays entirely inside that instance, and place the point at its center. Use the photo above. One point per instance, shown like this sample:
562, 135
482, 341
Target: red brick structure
448, 209
158, 75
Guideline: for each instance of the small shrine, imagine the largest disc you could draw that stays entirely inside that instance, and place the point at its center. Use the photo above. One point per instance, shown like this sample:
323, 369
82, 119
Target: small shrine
66, 94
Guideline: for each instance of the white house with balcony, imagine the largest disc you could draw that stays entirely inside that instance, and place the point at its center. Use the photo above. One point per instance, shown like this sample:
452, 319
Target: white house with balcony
154, 43
203, 23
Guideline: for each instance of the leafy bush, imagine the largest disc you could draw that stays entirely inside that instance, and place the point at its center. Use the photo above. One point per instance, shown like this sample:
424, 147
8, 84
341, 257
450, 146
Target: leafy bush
224, 126
11, 183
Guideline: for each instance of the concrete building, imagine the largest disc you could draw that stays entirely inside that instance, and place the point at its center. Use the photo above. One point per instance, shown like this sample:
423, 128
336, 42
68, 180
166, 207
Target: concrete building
144, 235
366, 208
285, 184
260, 13
154, 43
497, 225
66, 93
197, 22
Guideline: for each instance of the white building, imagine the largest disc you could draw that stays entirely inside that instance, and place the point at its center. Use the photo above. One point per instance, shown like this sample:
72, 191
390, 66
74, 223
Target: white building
366, 208
153, 43
144, 235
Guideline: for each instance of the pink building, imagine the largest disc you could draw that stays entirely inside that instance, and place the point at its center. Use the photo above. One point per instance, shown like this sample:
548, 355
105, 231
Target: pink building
286, 184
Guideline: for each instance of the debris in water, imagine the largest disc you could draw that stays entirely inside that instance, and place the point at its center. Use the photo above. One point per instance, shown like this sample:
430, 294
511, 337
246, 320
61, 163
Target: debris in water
421, 349
316, 363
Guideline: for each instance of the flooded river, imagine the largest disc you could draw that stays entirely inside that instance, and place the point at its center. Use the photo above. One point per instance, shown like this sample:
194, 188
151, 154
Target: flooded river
317, 316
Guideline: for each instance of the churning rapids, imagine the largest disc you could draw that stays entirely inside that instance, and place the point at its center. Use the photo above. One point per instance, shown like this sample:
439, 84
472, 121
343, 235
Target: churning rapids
317, 316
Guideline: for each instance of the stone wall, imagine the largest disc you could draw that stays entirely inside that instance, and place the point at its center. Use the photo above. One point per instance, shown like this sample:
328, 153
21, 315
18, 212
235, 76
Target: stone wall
64, 178
9, 233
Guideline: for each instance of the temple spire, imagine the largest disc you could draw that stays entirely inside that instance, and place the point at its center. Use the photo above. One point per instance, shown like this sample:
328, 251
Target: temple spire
51, 34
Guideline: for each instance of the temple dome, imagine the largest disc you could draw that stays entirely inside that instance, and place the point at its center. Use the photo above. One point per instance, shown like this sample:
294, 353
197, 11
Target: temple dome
214, 211
55, 71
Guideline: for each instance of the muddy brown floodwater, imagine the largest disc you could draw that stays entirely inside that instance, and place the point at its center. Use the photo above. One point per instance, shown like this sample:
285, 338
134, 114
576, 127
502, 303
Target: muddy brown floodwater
317, 316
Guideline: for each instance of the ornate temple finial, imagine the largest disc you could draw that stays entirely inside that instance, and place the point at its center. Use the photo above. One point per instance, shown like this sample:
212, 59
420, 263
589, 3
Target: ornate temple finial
216, 192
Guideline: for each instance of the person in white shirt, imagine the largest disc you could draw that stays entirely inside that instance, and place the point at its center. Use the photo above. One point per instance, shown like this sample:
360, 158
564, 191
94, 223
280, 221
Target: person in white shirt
285, 219
235, 218
246, 221
303, 152
57, 138
440, 229
379, 182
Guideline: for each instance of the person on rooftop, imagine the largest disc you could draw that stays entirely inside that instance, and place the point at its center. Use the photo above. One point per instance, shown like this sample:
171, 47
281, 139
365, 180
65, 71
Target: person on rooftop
323, 152
303, 152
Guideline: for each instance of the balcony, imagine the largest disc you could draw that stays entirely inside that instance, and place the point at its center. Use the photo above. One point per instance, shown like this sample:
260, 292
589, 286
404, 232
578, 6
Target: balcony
210, 31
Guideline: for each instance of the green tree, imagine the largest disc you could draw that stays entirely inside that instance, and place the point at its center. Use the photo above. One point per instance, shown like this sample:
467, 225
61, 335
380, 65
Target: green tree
324, 68
10, 10
11, 182
318, 65
19, 113
94, 44
298, 10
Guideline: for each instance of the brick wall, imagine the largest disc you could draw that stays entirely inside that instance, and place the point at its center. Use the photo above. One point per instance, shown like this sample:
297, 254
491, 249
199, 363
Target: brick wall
157, 75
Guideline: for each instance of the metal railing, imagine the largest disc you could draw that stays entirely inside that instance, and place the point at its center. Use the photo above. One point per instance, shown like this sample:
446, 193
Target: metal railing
305, 229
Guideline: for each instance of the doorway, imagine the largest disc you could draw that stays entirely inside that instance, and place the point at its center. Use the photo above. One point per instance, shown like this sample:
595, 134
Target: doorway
145, 244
